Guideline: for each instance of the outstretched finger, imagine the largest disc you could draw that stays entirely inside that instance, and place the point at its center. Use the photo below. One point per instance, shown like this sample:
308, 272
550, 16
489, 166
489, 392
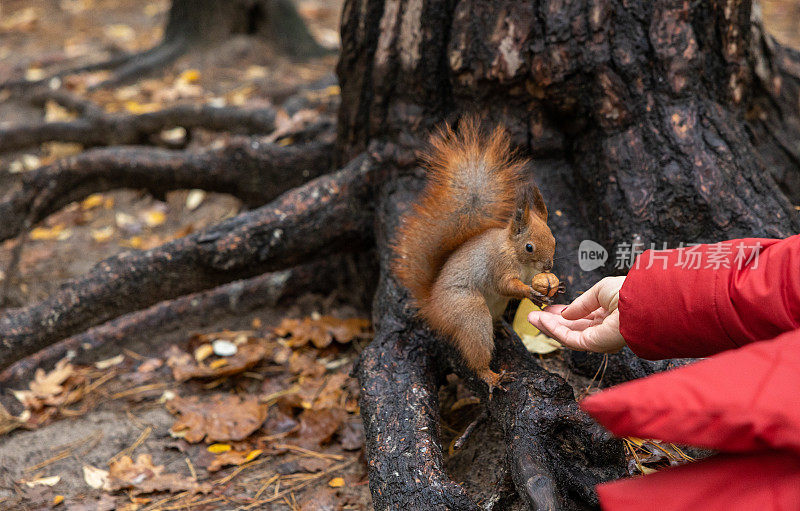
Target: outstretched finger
584, 304
534, 318
561, 333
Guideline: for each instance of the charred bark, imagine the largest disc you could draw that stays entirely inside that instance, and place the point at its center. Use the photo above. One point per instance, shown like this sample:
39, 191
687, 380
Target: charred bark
99, 129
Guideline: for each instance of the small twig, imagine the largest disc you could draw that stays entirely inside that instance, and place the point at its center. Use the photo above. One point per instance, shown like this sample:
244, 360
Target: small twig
191, 468
129, 450
307, 452
280, 494
266, 484
603, 365
138, 390
461, 440
66, 451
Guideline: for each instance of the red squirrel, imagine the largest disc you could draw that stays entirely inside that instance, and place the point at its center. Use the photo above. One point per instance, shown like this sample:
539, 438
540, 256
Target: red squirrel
473, 240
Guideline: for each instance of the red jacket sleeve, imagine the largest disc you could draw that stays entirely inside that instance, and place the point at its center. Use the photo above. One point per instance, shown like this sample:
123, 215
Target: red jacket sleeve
700, 300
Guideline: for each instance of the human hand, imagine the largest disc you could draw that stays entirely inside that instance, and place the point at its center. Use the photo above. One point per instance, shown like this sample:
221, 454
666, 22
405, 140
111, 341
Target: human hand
589, 323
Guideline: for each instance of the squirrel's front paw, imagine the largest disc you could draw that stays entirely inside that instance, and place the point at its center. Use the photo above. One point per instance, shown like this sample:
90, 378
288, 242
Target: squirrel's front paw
538, 298
495, 380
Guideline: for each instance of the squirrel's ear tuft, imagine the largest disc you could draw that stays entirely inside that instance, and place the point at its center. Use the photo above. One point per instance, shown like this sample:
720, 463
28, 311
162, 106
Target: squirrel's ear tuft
520, 219
537, 203
529, 200
522, 210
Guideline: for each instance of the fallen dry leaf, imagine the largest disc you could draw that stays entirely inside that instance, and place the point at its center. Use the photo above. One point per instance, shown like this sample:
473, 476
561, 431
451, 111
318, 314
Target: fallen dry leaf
232, 458
203, 364
534, 341
43, 481
221, 418
9, 422
56, 232
95, 477
110, 362
317, 427
144, 477
322, 330
47, 388
322, 499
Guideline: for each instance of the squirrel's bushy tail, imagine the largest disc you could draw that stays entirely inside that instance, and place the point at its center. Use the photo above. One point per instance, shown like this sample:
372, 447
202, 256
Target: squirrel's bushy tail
472, 182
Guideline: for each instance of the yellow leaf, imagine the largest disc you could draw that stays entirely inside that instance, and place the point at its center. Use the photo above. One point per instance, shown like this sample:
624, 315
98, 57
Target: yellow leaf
120, 32
333, 90
521, 324
285, 141
540, 344
218, 363
154, 217
141, 108
92, 201
47, 233
103, 234
218, 448
189, 76
255, 453
336, 482
203, 352
535, 341
58, 499
34, 74
136, 242
53, 112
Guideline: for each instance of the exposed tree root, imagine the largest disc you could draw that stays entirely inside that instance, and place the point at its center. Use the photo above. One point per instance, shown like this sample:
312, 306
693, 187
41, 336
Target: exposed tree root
328, 215
252, 170
555, 452
95, 128
234, 298
108, 64
141, 64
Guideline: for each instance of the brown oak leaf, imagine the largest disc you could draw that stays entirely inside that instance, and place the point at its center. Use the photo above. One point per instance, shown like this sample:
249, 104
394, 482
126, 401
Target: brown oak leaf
222, 418
142, 476
322, 330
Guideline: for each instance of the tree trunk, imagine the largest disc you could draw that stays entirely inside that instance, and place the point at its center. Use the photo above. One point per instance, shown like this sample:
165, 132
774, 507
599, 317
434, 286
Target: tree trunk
640, 119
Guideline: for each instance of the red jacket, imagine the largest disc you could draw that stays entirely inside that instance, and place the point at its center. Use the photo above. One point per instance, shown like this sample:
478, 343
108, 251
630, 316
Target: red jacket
739, 297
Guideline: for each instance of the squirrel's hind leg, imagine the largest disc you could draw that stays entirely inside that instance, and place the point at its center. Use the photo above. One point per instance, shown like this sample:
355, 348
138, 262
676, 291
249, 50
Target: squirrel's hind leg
467, 321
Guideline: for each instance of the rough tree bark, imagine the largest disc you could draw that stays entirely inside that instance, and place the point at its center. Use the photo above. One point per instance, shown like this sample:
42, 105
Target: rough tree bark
663, 122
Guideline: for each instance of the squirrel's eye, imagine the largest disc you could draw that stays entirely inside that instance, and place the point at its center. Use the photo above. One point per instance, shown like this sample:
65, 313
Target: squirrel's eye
529, 247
